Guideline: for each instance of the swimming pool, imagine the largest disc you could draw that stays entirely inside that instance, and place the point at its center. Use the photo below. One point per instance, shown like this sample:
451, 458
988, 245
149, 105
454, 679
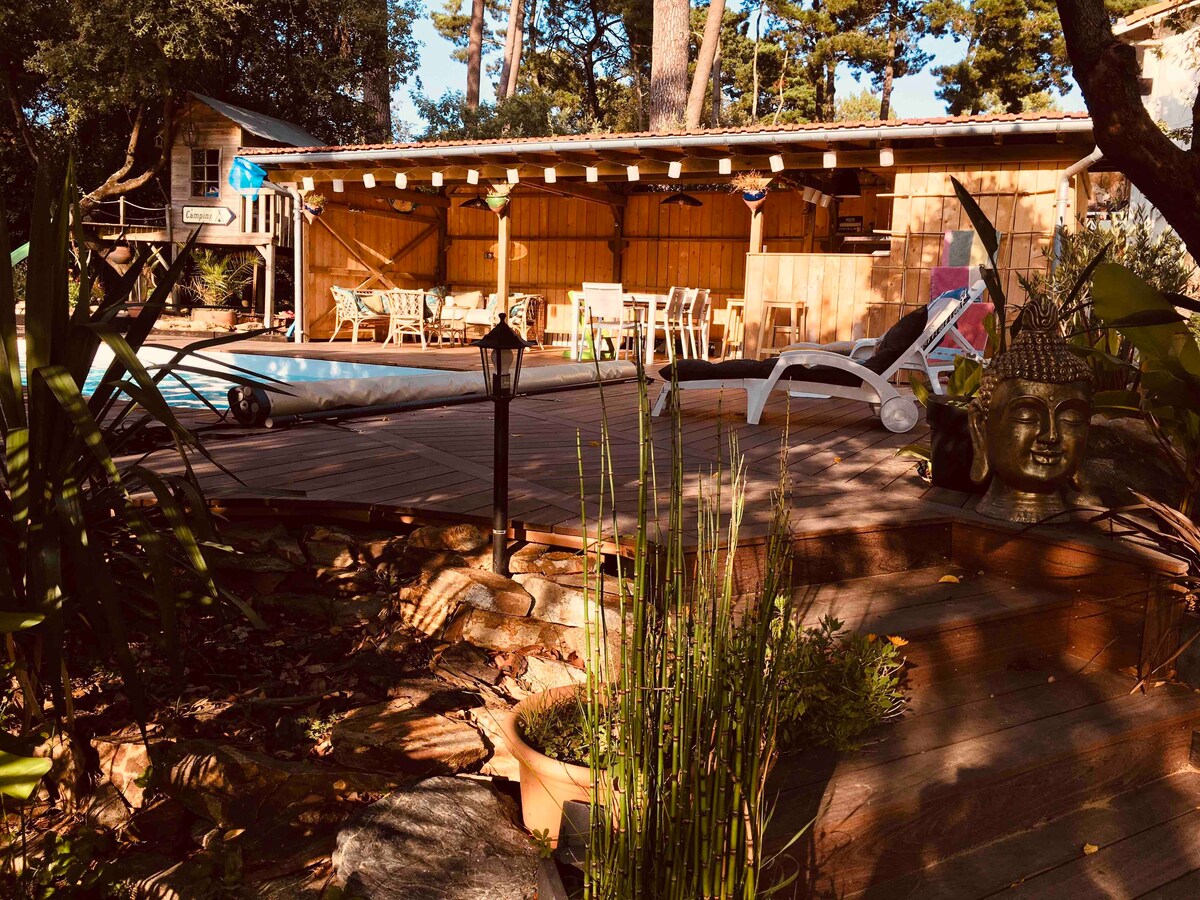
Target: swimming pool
227, 369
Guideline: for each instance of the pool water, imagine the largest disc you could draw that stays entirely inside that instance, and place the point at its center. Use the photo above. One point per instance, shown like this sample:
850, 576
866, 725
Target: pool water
225, 373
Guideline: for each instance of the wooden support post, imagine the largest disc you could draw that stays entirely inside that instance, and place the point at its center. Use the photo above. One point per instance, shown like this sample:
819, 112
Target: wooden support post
268, 253
752, 314
503, 230
440, 273
617, 244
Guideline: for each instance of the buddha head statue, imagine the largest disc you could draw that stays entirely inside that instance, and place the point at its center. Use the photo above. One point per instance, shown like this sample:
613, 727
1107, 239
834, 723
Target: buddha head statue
1029, 421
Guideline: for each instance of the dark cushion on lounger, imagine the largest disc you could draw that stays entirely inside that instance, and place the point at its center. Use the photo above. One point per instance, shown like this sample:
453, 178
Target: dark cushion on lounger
703, 370
895, 341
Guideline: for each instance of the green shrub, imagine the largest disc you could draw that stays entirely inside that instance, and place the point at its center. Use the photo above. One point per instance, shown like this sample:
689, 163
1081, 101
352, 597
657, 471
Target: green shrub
836, 685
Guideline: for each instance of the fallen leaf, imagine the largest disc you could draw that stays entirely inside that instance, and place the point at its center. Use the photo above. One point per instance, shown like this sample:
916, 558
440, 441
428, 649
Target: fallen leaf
837, 459
896, 640
1050, 680
1089, 849
948, 579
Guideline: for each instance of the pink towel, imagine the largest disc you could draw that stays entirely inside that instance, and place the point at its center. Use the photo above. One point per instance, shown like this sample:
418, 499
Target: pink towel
971, 326
948, 278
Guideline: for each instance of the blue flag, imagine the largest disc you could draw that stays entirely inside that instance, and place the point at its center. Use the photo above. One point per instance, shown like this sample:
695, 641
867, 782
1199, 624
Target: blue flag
246, 178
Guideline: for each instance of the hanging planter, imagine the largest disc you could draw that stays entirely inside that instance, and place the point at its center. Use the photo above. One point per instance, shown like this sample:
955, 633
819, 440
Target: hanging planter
753, 188
497, 198
314, 204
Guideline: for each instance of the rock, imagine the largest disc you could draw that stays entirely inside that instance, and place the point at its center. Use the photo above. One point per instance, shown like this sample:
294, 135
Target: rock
441, 839
329, 548
236, 788
501, 763
161, 822
514, 633
253, 534
395, 737
460, 538
568, 604
67, 781
539, 559
107, 810
196, 878
124, 761
429, 693
427, 606
544, 674
252, 563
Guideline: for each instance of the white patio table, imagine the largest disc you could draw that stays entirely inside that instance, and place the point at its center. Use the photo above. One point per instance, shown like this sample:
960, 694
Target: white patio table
650, 303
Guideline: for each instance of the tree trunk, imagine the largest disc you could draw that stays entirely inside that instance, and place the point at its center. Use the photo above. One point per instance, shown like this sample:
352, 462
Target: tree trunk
514, 70
377, 81
512, 37
830, 91
118, 183
475, 54
715, 119
889, 65
704, 63
757, 38
668, 64
1108, 75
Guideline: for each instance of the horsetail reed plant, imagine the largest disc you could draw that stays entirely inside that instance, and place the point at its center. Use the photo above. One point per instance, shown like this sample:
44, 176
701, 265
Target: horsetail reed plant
687, 694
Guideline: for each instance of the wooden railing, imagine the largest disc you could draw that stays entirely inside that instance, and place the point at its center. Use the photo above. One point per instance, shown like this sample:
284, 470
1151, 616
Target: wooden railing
270, 214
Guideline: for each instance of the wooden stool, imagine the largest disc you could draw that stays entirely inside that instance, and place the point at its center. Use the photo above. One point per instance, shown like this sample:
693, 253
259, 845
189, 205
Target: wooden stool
734, 334
796, 326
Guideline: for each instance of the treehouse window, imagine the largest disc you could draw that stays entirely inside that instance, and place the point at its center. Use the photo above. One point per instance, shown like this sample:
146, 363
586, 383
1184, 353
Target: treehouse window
206, 173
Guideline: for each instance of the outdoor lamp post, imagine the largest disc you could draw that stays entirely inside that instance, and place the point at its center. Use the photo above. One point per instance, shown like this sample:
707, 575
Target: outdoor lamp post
500, 351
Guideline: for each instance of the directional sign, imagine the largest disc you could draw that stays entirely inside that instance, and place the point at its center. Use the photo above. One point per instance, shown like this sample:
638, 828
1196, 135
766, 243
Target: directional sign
208, 215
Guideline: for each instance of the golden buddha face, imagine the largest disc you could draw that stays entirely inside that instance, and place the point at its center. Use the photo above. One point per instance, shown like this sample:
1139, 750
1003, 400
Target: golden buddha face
1031, 438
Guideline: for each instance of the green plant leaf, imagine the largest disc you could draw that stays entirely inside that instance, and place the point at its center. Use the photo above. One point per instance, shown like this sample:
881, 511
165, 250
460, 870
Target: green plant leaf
11, 622
1120, 296
19, 775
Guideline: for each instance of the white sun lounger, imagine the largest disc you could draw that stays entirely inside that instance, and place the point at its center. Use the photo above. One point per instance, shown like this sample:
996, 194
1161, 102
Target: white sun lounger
832, 374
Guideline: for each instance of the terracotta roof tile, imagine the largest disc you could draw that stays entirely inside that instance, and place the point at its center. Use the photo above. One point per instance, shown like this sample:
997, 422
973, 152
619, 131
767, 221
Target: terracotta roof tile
766, 130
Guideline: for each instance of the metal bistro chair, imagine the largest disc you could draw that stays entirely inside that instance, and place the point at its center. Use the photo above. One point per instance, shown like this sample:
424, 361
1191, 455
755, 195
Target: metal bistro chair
524, 314
406, 315
349, 308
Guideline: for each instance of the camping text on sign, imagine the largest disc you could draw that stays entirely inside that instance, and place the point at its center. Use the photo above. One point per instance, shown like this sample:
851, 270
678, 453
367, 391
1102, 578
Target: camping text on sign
208, 215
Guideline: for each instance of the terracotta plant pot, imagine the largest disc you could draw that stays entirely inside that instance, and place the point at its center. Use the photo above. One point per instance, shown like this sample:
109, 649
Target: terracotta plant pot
214, 316
546, 784
314, 211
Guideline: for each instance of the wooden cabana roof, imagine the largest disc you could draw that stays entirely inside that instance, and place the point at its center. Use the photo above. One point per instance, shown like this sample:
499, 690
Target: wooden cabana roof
710, 155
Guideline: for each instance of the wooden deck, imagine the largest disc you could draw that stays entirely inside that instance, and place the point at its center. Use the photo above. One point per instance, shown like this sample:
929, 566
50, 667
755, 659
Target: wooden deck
840, 460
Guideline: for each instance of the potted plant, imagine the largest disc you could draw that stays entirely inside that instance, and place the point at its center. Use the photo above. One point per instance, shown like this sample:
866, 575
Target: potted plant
753, 188
218, 284
547, 734
498, 196
314, 203
949, 454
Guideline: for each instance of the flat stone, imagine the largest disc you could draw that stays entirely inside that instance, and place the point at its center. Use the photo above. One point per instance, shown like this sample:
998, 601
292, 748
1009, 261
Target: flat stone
540, 559
461, 538
253, 534
545, 674
429, 693
124, 761
557, 600
253, 563
107, 810
428, 605
395, 737
236, 788
501, 763
515, 633
441, 839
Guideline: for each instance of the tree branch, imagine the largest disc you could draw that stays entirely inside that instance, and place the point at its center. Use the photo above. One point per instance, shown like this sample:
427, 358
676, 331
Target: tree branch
116, 184
1108, 74
23, 128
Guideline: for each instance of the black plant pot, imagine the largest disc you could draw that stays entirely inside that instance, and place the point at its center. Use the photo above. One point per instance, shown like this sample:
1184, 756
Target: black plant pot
950, 445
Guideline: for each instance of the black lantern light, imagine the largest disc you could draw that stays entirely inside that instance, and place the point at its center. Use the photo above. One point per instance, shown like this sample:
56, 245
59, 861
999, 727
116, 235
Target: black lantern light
477, 203
500, 352
846, 183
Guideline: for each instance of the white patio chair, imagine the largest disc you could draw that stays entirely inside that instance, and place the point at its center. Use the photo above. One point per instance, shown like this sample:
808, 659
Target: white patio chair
821, 374
604, 313
406, 315
350, 309
670, 320
696, 317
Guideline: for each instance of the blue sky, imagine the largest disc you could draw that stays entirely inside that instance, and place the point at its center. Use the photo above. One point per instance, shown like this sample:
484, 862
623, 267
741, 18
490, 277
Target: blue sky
914, 95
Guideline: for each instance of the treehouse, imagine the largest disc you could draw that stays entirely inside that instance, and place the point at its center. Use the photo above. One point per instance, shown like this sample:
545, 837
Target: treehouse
207, 138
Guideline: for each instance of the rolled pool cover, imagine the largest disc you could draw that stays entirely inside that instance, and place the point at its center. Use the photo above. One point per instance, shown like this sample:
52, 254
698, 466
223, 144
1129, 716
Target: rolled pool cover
252, 405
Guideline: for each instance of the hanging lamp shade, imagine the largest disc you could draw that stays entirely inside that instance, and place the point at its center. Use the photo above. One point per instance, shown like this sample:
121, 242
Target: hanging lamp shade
476, 203
679, 198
